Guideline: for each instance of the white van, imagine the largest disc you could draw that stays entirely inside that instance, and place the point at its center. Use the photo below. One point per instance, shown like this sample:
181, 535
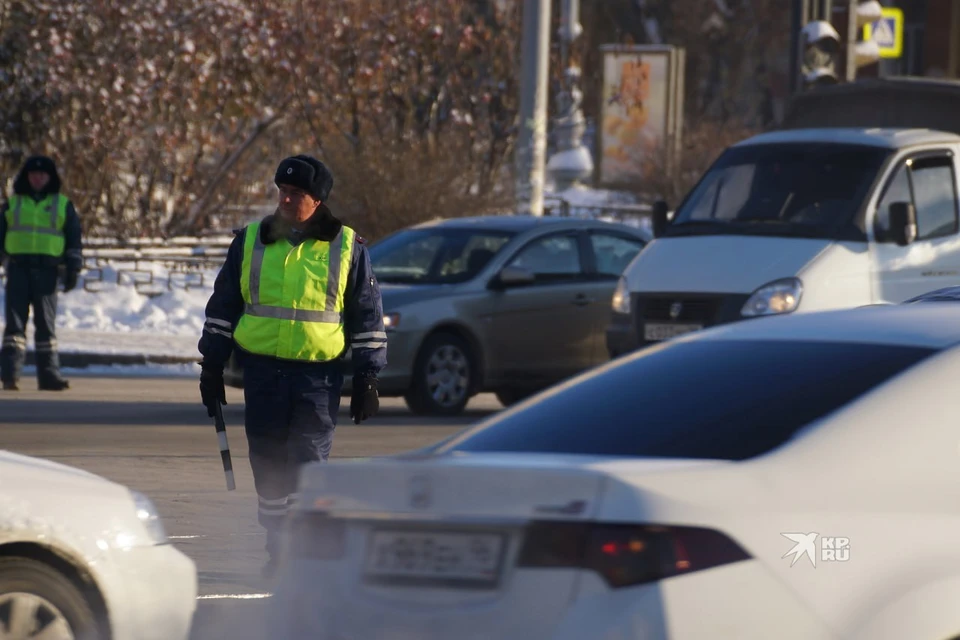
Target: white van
797, 220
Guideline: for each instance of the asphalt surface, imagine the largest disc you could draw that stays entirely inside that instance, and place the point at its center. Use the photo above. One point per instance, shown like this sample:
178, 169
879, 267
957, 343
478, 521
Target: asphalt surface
152, 435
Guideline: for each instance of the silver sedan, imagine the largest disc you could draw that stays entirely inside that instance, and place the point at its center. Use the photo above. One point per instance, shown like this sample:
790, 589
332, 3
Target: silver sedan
508, 304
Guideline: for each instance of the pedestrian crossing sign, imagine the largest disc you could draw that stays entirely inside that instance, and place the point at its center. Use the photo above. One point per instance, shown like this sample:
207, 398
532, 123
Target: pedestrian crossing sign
887, 32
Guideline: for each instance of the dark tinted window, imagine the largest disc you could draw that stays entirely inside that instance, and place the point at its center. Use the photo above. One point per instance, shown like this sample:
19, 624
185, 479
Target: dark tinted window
726, 400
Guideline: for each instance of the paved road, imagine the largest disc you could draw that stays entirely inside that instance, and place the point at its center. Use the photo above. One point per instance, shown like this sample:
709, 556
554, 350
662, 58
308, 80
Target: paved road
152, 435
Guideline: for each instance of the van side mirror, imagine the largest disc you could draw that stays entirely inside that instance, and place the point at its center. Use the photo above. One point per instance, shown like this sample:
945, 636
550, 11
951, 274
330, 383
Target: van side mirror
903, 223
659, 213
512, 277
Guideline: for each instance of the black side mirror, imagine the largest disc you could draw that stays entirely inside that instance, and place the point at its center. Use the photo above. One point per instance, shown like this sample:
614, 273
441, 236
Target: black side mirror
903, 223
659, 211
512, 277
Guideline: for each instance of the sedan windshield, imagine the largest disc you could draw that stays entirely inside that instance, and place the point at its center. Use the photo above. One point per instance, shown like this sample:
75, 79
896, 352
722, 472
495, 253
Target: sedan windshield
435, 256
707, 399
811, 190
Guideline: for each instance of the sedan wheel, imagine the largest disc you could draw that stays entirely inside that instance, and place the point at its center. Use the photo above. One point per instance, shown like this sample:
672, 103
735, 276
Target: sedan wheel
27, 615
442, 377
39, 603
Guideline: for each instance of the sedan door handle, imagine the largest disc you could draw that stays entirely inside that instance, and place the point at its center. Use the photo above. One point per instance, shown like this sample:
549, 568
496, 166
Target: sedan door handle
581, 300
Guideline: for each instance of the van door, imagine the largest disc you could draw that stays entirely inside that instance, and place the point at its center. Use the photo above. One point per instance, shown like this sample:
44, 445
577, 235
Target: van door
929, 181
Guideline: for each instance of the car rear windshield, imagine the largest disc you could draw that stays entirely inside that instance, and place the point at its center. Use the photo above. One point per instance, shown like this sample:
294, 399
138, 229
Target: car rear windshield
708, 399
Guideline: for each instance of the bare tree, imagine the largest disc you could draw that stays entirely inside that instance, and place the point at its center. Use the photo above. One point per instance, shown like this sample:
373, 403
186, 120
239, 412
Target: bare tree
168, 116
147, 106
413, 105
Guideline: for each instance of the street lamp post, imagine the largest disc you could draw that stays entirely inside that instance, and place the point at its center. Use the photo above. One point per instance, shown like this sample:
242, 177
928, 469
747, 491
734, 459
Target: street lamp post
531, 137
572, 162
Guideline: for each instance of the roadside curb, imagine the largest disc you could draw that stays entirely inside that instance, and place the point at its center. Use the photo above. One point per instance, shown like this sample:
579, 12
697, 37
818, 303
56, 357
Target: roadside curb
82, 360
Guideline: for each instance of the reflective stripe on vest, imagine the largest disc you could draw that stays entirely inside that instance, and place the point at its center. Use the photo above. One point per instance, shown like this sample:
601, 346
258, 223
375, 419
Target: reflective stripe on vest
36, 228
294, 296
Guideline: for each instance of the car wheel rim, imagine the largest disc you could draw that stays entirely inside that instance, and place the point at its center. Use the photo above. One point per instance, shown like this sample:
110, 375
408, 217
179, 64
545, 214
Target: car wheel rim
448, 376
26, 616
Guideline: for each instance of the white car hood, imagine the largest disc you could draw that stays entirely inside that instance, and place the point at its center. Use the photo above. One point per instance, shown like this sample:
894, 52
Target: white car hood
719, 264
18, 468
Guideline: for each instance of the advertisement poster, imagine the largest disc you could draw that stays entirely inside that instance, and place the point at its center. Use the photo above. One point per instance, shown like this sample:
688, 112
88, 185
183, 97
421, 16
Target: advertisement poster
639, 126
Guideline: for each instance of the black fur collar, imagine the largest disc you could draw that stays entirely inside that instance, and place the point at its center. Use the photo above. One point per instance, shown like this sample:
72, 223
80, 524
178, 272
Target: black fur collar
322, 226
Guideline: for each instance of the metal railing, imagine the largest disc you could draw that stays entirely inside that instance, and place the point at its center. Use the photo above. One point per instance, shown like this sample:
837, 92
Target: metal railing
627, 213
187, 261
184, 260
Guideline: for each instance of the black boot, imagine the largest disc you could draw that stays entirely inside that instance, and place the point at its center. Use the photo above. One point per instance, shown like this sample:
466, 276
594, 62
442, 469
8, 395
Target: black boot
52, 384
12, 357
48, 368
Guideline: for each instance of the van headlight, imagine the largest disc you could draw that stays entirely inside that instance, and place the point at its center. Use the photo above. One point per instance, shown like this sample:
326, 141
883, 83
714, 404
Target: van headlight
779, 296
621, 297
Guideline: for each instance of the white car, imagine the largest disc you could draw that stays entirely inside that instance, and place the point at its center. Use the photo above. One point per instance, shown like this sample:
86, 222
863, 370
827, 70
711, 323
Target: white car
83, 558
787, 477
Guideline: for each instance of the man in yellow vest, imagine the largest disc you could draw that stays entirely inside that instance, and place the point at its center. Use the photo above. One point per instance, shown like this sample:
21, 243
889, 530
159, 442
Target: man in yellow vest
295, 292
39, 233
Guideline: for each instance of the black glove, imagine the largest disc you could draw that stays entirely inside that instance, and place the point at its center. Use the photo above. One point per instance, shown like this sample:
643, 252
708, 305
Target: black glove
364, 401
211, 388
70, 281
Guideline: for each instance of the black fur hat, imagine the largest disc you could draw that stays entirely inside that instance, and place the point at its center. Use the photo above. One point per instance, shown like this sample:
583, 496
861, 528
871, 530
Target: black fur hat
21, 184
307, 173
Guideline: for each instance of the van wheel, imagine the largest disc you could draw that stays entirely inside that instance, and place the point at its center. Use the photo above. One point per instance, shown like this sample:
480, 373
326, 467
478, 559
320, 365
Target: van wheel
442, 377
37, 601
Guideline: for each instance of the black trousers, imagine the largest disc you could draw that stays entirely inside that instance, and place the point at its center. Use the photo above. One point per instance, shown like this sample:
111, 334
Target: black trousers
30, 286
290, 418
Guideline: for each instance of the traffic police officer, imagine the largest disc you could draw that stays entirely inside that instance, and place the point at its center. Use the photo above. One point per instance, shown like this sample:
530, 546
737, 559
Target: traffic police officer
39, 231
295, 292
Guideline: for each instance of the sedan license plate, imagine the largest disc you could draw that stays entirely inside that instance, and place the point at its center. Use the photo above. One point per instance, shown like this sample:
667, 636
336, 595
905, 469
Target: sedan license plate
435, 557
658, 331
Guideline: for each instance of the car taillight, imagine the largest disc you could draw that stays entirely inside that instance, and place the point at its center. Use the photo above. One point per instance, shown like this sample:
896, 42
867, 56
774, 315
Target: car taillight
316, 535
627, 554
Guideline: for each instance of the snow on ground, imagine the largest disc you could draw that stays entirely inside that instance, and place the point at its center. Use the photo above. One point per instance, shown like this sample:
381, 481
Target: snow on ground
583, 196
121, 318
122, 309
588, 202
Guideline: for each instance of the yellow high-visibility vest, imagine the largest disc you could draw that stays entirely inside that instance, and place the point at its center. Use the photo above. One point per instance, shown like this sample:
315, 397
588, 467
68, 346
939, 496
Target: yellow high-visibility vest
294, 296
36, 227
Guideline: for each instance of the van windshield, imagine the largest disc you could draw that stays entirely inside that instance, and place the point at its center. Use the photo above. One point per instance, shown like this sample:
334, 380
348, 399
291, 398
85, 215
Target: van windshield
808, 190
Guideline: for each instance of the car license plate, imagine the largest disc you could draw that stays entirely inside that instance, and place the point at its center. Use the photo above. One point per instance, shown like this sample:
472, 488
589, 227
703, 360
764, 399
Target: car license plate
657, 331
437, 557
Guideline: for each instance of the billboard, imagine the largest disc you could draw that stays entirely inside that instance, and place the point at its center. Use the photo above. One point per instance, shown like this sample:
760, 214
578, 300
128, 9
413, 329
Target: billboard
640, 114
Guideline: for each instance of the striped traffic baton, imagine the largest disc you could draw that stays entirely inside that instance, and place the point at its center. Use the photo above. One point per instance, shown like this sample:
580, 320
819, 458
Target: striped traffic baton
224, 447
